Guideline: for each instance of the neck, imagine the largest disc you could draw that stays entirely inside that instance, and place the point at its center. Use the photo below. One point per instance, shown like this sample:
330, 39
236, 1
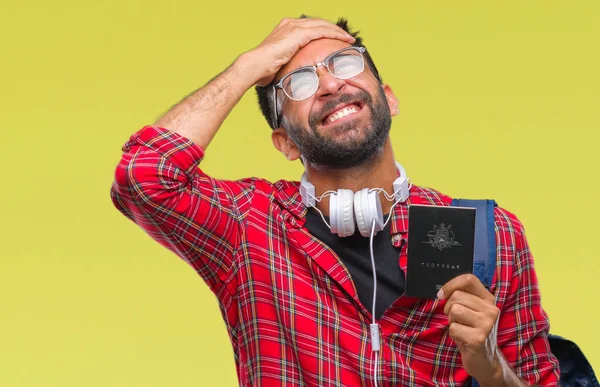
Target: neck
379, 172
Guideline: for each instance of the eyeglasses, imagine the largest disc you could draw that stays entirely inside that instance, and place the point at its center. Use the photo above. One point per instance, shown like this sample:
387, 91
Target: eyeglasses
303, 82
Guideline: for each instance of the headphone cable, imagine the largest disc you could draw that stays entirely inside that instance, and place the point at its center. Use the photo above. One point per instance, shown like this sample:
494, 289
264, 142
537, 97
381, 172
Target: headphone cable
374, 325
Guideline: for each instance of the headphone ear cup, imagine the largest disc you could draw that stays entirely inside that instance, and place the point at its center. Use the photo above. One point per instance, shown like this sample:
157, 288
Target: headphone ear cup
361, 222
367, 208
375, 211
333, 214
345, 211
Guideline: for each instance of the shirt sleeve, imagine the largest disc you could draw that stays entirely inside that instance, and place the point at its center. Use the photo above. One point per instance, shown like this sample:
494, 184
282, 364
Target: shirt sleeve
524, 325
159, 186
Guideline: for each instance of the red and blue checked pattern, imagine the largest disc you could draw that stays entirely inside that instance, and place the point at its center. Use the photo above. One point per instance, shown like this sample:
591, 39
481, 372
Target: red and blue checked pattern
289, 304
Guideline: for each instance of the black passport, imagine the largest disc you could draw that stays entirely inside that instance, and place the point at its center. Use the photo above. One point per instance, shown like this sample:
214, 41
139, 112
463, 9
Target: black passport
440, 247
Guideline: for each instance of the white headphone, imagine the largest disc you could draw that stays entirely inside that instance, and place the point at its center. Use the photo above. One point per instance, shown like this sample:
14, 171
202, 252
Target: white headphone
364, 205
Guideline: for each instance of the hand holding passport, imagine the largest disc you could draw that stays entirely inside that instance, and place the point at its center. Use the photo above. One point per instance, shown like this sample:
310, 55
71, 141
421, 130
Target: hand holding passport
440, 247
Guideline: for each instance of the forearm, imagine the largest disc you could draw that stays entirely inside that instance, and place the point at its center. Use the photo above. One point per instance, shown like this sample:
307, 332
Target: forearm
200, 115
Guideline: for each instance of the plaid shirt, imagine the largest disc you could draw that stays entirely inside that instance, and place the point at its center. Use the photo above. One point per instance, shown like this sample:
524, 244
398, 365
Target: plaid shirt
289, 304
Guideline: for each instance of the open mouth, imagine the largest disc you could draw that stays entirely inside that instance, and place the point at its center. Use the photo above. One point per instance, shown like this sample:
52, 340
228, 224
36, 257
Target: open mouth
342, 113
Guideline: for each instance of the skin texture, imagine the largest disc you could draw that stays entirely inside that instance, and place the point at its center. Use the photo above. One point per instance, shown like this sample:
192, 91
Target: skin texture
376, 170
346, 143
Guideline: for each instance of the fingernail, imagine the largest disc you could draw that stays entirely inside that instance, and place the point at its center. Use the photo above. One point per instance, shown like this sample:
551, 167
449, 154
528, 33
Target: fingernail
440, 294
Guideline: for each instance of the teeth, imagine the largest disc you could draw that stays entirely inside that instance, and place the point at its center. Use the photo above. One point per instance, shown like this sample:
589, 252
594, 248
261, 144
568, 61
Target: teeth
342, 113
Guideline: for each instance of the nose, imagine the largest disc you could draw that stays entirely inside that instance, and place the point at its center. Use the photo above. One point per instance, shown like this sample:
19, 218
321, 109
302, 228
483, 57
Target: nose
328, 84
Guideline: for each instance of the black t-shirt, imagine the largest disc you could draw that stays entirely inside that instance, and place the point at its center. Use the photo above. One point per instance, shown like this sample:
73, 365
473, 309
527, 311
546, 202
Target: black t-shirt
354, 252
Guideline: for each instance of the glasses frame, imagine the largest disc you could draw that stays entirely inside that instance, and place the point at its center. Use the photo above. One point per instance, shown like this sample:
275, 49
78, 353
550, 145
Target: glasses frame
279, 84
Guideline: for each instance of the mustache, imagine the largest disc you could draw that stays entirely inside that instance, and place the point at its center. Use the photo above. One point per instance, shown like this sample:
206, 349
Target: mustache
315, 118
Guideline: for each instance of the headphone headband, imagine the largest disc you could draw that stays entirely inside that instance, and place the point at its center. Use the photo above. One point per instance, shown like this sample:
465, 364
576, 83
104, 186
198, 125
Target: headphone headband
401, 192
401, 184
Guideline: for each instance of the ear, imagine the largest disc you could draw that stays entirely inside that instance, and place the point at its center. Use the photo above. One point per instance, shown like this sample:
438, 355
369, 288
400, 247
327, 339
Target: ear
284, 144
391, 100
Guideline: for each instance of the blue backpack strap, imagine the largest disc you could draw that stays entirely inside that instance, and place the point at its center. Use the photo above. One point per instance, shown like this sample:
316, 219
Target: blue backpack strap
484, 265
484, 260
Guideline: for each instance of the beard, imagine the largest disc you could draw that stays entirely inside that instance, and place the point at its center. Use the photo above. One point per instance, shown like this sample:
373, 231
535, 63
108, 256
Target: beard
327, 153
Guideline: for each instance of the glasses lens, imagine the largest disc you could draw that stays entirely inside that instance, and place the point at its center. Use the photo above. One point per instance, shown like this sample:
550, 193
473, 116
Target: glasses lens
301, 84
346, 64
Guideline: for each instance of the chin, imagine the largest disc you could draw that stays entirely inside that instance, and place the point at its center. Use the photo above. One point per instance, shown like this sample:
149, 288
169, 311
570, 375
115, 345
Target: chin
350, 131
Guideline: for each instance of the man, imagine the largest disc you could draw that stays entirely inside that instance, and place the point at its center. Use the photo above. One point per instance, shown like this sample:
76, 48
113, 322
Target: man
295, 297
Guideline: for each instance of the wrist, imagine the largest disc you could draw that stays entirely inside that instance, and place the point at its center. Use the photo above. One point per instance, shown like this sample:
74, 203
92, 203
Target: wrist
494, 377
246, 68
500, 374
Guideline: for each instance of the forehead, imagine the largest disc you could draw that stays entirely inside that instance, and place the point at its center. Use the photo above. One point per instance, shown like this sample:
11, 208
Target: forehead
312, 53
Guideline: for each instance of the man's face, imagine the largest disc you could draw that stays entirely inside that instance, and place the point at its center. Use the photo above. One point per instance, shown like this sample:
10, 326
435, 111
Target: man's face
345, 123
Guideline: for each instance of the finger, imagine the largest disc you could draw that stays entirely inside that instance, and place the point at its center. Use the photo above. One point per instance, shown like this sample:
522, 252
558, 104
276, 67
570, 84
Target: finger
284, 21
468, 300
315, 22
324, 32
461, 314
467, 283
463, 334
310, 23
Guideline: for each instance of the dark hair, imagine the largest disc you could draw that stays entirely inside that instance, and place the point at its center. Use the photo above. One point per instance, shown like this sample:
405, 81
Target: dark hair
264, 93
